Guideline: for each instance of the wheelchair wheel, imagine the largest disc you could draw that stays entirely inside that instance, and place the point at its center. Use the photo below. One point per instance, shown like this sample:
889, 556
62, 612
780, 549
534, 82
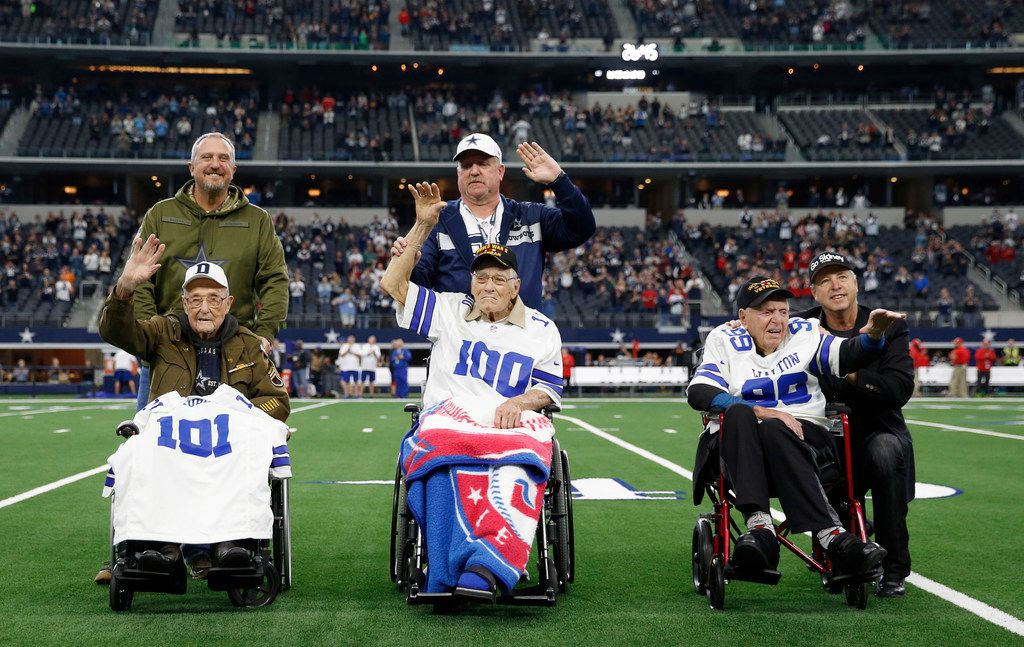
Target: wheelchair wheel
399, 529
120, 597
701, 546
716, 583
857, 595
262, 595
282, 534
561, 513
830, 586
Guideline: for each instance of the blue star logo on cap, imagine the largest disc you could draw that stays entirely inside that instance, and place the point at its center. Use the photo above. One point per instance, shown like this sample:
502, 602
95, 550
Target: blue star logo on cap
471, 140
201, 257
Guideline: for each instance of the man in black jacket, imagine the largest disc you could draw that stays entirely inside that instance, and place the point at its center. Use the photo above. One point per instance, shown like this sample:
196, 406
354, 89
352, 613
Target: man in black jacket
883, 453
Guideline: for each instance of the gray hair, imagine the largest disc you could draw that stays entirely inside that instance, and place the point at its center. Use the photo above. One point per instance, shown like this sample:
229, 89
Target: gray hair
221, 136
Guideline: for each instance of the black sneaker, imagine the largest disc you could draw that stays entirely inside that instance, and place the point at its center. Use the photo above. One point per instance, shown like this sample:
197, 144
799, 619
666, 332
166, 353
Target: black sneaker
230, 556
757, 550
852, 557
891, 587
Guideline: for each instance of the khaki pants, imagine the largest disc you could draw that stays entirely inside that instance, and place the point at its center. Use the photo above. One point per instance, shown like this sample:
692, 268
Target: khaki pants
917, 382
958, 383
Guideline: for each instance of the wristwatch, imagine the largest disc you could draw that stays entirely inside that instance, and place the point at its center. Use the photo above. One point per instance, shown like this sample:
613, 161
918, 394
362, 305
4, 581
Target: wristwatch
558, 177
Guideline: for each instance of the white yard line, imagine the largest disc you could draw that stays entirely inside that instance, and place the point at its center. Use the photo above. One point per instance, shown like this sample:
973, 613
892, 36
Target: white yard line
962, 600
42, 489
59, 409
969, 430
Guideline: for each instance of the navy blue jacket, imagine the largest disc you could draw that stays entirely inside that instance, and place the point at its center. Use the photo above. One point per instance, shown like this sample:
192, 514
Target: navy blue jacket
529, 229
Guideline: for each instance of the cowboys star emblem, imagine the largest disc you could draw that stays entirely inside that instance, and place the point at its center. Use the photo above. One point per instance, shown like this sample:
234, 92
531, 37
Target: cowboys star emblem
471, 140
618, 336
26, 336
332, 336
201, 257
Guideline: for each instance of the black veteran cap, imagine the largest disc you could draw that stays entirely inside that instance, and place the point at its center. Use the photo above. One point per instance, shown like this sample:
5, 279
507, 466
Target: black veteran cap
755, 291
492, 251
827, 259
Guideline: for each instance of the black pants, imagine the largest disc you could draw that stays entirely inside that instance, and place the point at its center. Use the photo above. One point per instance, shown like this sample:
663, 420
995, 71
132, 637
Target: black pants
881, 463
765, 459
984, 377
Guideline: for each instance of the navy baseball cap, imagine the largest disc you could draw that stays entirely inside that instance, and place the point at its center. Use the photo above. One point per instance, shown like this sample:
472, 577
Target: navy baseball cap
827, 259
757, 290
492, 251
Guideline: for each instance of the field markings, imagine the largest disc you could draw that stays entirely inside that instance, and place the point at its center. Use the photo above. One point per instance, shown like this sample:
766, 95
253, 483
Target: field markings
969, 430
42, 489
962, 600
49, 487
60, 409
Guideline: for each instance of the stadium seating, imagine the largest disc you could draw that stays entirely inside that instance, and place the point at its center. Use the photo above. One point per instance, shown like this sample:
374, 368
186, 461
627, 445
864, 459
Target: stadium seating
355, 127
904, 24
934, 134
312, 24
839, 135
128, 22
140, 123
39, 253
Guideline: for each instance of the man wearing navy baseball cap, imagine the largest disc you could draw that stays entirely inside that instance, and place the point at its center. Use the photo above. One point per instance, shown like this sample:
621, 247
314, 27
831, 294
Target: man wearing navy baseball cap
483, 216
883, 454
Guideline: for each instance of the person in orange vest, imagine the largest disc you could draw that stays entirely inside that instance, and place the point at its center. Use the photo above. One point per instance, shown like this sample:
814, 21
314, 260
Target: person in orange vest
921, 359
959, 357
984, 358
568, 363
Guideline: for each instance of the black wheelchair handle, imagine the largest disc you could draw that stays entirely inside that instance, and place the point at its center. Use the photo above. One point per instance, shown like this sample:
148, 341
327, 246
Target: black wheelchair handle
127, 429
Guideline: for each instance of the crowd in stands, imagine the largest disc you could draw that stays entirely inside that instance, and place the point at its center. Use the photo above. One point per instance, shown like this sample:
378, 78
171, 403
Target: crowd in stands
930, 23
914, 268
486, 24
96, 22
49, 261
307, 24
139, 122
320, 124
994, 243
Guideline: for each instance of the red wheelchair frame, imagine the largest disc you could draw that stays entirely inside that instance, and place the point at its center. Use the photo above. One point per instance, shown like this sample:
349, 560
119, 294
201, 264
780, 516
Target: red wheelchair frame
712, 534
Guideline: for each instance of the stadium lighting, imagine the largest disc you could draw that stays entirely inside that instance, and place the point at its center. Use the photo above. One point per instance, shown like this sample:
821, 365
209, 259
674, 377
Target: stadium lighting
816, 66
860, 68
625, 75
160, 69
404, 67
598, 73
440, 71
893, 179
70, 189
647, 180
313, 193
373, 68
791, 71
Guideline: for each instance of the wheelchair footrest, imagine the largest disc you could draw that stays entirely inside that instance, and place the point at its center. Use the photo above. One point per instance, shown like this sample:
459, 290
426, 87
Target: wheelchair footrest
530, 596
759, 577
135, 579
854, 578
241, 577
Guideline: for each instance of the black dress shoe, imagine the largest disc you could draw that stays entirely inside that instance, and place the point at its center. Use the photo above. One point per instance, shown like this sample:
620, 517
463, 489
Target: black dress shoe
891, 588
853, 558
153, 561
757, 550
231, 556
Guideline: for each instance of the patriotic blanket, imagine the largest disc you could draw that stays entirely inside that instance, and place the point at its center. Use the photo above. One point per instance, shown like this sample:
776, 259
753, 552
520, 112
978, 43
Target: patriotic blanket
476, 491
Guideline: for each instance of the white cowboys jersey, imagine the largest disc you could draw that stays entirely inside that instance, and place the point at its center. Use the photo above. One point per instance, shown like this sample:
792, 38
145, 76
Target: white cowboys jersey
369, 357
197, 471
786, 380
481, 363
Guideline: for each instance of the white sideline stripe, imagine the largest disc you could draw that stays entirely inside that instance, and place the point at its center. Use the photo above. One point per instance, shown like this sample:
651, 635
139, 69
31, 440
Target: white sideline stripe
970, 430
962, 600
43, 489
315, 406
58, 409
977, 607
640, 451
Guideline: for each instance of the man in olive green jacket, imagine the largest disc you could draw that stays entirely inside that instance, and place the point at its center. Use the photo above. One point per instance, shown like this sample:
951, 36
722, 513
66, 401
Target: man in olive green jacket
194, 351
211, 220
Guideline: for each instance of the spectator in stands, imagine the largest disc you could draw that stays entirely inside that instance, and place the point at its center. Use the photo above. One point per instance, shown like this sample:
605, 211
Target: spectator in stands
971, 308
920, 285
483, 216
20, 373
883, 453
300, 360
959, 357
297, 288
945, 317
242, 241
346, 308
984, 358
124, 366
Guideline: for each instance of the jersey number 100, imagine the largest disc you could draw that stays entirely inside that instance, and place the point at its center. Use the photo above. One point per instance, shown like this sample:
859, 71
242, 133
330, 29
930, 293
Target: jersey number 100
493, 368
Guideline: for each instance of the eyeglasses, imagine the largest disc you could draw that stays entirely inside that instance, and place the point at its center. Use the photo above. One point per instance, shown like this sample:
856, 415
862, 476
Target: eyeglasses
500, 280
196, 302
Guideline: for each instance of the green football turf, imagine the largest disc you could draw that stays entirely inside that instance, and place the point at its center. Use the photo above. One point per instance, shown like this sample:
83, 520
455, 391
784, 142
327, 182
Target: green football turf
633, 575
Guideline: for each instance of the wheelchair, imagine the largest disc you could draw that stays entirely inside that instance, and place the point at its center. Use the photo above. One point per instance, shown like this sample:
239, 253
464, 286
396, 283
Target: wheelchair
713, 531
256, 584
555, 540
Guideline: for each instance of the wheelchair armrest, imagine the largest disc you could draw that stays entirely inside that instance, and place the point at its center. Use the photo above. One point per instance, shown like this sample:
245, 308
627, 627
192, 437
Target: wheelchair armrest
127, 429
836, 408
412, 407
550, 410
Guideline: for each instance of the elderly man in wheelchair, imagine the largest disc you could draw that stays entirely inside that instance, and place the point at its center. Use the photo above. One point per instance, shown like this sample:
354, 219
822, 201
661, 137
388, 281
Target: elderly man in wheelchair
764, 377
477, 463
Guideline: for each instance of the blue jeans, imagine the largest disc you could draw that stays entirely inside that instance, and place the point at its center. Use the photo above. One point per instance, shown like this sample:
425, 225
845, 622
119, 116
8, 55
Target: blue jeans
142, 398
